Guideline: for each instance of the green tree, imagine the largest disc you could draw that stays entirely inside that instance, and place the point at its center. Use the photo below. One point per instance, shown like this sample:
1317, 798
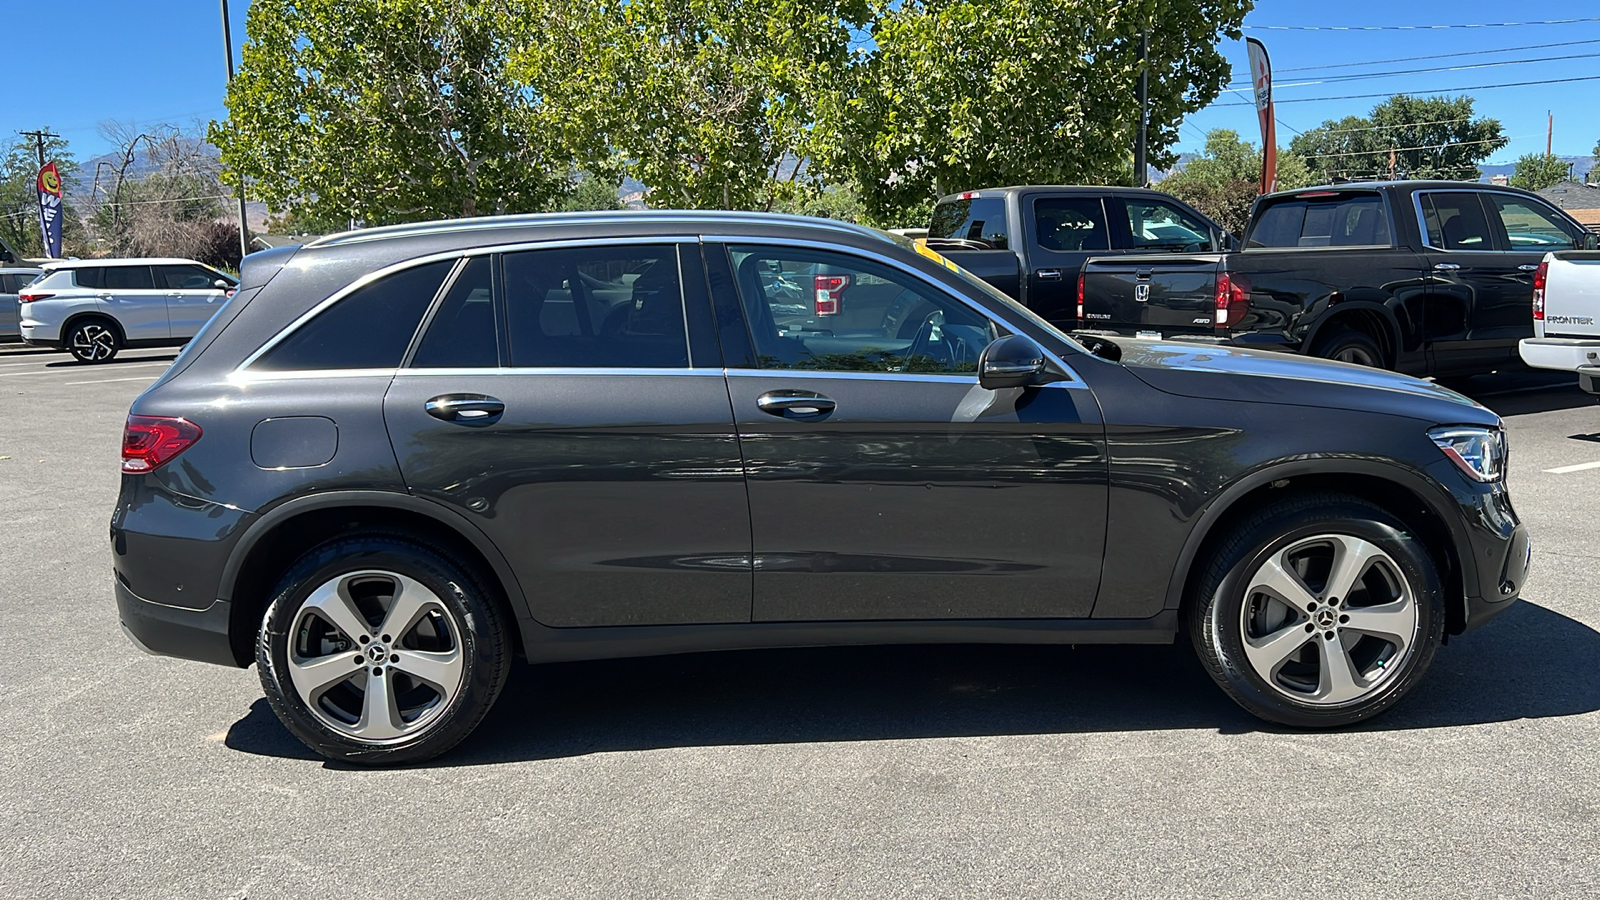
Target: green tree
839, 202
1224, 181
960, 94
1404, 137
592, 192
388, 110
1537, 171
19, 195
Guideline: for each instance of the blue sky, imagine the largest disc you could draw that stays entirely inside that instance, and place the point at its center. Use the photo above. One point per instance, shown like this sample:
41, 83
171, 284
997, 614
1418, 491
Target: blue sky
155, 61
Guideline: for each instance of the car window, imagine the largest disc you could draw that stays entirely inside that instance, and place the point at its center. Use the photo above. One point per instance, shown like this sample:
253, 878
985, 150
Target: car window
981, 220
1323, 219
1528, 225
462, 333
1455, 221
1158, 224
1070, 224
596, 307
128, 278
185, 278
823, 311
369, 328
93, 277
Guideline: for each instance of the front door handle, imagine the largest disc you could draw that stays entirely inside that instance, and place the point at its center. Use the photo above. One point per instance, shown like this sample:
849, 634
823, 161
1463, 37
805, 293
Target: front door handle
175, 294
466, 409
1049, 274
1528, 267
1446, 267
795, 404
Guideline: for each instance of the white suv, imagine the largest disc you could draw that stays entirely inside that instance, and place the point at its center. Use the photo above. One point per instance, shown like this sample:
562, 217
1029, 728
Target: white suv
93, 308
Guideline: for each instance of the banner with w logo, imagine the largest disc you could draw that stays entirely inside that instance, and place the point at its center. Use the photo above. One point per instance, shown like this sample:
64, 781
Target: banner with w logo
50, 210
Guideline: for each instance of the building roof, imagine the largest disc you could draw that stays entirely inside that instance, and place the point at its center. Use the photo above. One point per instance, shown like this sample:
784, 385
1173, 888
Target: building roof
1570, 195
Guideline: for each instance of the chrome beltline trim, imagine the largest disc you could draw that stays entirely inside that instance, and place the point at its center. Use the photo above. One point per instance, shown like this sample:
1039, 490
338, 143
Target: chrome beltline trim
554, 370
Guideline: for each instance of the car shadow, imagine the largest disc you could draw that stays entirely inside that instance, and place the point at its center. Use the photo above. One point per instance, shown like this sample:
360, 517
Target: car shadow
1518, 393
1529, 663
70, 363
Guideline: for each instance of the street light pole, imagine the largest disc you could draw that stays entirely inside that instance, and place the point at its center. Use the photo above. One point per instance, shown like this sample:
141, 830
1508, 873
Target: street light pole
1141, 172
227, 48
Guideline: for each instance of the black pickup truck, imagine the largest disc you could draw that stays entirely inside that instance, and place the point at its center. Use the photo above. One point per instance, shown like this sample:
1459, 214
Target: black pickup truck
1424, 277
1031, 242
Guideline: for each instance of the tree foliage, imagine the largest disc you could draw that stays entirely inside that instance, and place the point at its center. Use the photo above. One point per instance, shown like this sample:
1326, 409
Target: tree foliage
160, 194
1404, 137
1537, 171
1224, 181
19, 195
387, 110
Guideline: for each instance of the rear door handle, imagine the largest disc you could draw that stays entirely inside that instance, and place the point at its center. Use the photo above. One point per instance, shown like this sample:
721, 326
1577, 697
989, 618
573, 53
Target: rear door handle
1528, 267
791, 404
1446, 267
466, 409
1049, 274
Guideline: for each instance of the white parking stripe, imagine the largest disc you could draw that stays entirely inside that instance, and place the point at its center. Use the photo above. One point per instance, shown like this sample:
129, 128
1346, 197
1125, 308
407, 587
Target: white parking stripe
109, 380
1577, 468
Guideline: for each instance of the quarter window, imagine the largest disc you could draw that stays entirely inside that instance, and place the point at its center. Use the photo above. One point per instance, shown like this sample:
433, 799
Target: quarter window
1070, 224
369, 328
462, 333
822, 311
596, 307
1530, 226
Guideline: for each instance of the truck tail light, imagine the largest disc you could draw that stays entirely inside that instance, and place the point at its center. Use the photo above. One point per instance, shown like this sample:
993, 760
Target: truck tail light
1080, 298
149, 442
1539, 276
830, 290
29, 298
1233, 299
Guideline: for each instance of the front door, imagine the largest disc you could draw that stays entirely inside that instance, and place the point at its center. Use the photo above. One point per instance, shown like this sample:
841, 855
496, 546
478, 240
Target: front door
884, 482
192, 296
601, 458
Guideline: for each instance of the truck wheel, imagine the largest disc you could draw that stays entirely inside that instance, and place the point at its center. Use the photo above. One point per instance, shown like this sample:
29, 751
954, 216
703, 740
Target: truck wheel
1317, 611
1350, 346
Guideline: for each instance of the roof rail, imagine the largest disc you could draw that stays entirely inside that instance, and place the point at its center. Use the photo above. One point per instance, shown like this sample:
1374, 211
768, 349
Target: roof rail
662, 216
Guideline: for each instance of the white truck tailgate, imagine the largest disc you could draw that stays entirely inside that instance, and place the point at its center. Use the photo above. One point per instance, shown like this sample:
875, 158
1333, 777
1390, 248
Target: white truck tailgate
1567, 335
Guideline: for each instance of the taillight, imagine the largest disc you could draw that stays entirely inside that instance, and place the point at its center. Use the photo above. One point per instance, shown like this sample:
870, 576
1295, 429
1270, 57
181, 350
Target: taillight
830, 290
149, 442
1233, 299
1080, 298
29, 298
1539, 276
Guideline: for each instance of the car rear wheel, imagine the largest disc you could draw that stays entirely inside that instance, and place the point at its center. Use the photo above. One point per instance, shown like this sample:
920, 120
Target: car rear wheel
1350, 346
378, 651
1318, 611
93, 341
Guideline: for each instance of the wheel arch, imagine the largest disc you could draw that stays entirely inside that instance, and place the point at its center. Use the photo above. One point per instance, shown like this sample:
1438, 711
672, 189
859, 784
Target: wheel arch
73, 319
286, 531
1409, 497
1372, 319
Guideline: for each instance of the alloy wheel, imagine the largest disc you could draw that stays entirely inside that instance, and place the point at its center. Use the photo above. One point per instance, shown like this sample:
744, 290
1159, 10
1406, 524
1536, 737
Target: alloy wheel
1328, 620
1356, 355
375, 655
93, 343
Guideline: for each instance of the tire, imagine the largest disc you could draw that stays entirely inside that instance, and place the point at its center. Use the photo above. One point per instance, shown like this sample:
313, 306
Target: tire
1351, 346
1281, 661
441, 672
93, 341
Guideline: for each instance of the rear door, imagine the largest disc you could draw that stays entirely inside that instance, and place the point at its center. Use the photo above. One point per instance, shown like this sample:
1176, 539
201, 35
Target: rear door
1063, 230
884, 482
129, 294
555, 400
192, 296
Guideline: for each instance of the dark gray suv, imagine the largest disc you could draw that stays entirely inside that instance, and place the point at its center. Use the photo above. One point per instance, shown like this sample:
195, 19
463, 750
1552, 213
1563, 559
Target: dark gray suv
399, 458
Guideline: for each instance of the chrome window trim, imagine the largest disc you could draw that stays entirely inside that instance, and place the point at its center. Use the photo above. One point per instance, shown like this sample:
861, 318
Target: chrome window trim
461, 254
239, 376
968, 379
1422, 220
922, 279
554, 370
433, 310
654, 217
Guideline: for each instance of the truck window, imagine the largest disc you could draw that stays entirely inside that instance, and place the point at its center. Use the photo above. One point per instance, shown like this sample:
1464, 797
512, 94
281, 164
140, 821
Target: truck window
1455, 221
1156, 224
1531, 226
981, 220
1069, 224
1336, 220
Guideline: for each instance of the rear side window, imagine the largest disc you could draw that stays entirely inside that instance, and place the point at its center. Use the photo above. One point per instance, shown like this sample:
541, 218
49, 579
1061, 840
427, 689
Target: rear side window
1336, 220
1070, 224
369, 328
128, 278
596, 307
462, 333
981, 220
1455, 221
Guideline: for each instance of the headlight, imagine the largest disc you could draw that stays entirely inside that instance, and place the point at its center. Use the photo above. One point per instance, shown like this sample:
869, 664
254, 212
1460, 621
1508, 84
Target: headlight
1480, 452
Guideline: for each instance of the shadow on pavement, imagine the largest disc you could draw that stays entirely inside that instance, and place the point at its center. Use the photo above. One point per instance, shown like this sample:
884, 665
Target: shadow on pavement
70, 363
1523, 392
1529, 663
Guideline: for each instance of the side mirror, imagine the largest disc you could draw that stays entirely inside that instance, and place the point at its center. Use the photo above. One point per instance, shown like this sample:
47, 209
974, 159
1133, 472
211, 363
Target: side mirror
1012, 361
221, 284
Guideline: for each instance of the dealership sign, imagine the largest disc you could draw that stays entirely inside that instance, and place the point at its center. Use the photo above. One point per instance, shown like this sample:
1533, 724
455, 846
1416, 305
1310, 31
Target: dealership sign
50, 210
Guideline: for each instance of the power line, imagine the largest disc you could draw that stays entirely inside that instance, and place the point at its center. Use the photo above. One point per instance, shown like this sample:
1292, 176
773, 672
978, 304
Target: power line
1475, 87
1398, 125
1416, 27
1245, 74
1381, 150
1333, 79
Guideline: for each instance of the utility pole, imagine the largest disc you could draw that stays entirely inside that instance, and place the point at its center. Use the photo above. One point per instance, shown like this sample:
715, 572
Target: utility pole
227, 47
38, 141
1550, 132
1141, 173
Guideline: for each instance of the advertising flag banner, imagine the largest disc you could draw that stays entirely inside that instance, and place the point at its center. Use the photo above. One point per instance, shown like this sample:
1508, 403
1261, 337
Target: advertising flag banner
1261, 81
50, 210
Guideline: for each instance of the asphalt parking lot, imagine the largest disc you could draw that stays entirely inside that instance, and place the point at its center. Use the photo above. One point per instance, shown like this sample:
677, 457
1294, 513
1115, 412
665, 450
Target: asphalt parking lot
883, 772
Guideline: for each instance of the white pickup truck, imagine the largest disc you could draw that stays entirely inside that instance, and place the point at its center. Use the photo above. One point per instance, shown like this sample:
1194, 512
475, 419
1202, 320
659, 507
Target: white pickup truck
1566, 316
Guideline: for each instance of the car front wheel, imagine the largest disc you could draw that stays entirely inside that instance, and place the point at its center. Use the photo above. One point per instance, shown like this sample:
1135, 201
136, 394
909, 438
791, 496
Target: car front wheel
1318, 611
376, 650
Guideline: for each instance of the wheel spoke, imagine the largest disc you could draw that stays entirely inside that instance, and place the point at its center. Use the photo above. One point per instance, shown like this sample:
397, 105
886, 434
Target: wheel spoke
1267, 653
312, 676
442, 671
411, 602
333, 602
1351, 558
380, 715
1338, 680
1394, 622
1275, 578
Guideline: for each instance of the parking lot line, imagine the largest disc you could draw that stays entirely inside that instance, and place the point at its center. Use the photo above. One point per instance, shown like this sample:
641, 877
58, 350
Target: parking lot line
1562, 470
109, 380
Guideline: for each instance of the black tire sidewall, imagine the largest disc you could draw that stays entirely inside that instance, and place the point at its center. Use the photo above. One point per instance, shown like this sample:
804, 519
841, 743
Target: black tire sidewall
478, 623
1329, 347
1218, 635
